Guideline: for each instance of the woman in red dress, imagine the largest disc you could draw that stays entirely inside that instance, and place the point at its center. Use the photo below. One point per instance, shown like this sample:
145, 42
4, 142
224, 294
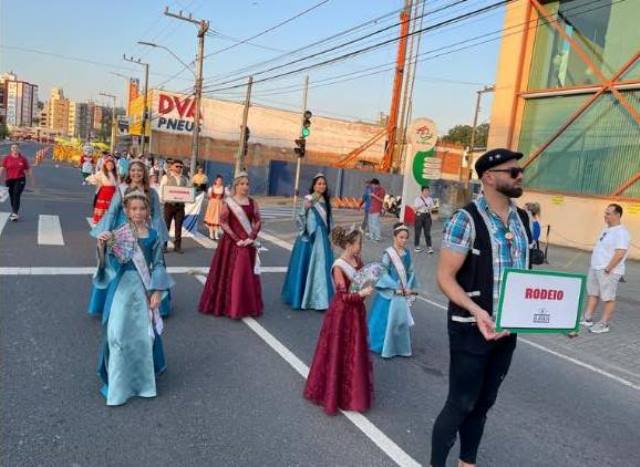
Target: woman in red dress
341, 375
233, 285
106, 181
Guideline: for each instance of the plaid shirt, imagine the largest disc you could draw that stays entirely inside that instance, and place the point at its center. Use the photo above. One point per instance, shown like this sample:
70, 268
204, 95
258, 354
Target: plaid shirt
458, 237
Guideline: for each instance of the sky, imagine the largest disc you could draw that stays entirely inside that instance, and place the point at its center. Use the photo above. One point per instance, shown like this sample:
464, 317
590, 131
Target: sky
78, 45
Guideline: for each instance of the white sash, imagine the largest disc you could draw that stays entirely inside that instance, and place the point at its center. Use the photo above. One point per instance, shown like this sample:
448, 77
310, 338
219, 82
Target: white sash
349, 270
320, 208
399, 265
246, 225
140, 263
402, 273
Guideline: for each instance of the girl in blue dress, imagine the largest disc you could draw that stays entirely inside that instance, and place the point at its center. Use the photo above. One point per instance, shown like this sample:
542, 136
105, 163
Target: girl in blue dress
308, 285
390, 319
137, 179
134, 275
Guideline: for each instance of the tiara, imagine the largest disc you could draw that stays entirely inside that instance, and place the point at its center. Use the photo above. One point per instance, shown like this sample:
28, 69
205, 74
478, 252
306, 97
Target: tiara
318, 175
400, 228
135, 194
241, 174
353, 228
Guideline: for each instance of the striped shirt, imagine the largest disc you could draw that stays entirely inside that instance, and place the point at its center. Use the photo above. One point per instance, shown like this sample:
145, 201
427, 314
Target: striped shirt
459, 236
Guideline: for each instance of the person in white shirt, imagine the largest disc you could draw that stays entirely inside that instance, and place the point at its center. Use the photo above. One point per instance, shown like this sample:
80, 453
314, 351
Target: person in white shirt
422, 206
606, 269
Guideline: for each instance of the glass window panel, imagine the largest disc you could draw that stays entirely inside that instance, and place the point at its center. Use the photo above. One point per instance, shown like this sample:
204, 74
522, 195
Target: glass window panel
595, 155
606, 30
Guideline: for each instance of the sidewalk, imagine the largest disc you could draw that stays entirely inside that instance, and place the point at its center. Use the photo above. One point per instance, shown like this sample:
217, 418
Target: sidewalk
617, 352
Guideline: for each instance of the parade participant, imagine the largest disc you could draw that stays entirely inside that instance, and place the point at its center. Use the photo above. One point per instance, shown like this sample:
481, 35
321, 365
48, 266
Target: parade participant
137, 180
174, 211
480, 241
17, 168
106, 181
390, 318
307, 284
233, 284
134, 273
423, 205
86, 167
200, 180
341, 374
375, 209
215, 196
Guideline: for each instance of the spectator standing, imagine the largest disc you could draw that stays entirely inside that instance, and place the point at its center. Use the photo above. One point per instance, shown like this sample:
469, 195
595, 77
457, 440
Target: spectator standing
375, 208
200, 180
17, 168
365, 204
86, 167
123, 167
607, 267
422, 206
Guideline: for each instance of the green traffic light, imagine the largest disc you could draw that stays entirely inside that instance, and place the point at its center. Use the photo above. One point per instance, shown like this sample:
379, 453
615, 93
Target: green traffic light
306, 132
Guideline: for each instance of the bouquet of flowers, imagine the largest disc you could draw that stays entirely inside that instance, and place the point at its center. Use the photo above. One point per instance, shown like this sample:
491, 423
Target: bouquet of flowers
367, 276
123, 243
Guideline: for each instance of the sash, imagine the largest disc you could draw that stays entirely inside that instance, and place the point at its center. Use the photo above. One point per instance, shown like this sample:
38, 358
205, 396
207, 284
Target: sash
140, 263
399, 265
346, 267
246, 225
402, 273
322, 212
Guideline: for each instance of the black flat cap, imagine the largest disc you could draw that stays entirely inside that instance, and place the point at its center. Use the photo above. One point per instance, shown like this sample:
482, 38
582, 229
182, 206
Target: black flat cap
495, 157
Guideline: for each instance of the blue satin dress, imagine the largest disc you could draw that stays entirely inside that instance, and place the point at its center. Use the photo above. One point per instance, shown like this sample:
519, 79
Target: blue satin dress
308, 285
130, 358
114, 218
389, 322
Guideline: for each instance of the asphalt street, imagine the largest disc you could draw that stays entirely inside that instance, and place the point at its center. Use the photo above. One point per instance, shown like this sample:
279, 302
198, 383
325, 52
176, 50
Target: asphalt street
229, 399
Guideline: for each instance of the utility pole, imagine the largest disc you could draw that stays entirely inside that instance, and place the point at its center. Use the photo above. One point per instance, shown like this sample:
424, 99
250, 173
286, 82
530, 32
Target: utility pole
203, 27
242, 147
473, 131
296, 190
145, 112
113, 121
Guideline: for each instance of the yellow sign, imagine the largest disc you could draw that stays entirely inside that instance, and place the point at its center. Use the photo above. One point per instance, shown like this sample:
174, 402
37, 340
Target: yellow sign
558, 200
634, 209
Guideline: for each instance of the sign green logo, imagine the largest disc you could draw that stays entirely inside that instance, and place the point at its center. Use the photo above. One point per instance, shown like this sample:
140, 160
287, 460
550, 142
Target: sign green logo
419, 165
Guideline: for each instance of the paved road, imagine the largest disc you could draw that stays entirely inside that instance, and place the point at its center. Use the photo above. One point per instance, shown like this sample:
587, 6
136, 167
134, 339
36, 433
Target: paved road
229, 398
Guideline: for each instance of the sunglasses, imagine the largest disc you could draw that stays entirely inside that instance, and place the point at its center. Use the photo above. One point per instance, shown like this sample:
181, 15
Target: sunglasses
512, 171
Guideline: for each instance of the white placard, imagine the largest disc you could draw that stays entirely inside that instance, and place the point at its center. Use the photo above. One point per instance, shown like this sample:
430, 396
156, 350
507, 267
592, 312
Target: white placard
178, 194
540, 301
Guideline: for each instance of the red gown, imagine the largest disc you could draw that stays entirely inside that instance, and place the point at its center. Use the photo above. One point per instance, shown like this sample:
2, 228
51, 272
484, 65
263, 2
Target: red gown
341, 375
232, 289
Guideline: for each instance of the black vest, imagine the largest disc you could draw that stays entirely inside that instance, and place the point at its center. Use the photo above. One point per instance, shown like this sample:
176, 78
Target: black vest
476, 274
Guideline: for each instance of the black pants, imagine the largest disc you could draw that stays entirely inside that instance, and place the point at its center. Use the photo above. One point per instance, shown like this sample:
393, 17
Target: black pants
15, 186
474, 380
175, 211
423, 222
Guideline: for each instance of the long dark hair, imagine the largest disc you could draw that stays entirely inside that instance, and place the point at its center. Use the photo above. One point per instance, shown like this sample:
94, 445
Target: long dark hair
326, 195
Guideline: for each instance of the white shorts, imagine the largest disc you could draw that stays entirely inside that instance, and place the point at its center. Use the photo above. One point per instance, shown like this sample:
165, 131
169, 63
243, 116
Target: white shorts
603, 285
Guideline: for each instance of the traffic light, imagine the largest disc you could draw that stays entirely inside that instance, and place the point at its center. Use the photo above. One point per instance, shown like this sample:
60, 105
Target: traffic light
245, 146
306, 123
300, 147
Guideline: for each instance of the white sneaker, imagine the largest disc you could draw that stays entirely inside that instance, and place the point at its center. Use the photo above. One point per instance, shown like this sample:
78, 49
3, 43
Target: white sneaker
418, 249
599, 328
430, 251
587, 323
13, 216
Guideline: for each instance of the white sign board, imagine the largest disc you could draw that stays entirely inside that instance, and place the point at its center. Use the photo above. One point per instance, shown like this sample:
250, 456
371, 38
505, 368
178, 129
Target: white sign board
540, 301
178, 194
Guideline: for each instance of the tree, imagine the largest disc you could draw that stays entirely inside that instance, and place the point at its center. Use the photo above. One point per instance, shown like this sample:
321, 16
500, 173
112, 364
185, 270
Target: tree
461, 134
4, 131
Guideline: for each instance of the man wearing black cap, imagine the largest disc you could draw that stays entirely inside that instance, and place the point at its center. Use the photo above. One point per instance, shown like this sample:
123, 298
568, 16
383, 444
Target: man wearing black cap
480, 241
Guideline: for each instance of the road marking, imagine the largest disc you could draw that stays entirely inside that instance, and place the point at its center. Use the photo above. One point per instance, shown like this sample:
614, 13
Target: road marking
567, 358
276, 241
386, 444
49, 230
4, 217
203, 240
81, 271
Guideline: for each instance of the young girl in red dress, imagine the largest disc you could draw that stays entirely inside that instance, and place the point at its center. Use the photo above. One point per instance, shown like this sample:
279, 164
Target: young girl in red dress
341, 375
233, 285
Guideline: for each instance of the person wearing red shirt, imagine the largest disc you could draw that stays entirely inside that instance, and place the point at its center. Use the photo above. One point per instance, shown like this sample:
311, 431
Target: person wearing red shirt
375, 208
16, 167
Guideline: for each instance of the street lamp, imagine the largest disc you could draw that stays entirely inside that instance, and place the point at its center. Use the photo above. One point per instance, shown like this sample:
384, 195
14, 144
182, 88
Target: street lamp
113, 120
198, 97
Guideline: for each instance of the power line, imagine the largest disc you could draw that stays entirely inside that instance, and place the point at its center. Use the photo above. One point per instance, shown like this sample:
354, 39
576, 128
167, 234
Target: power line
219, 35
261, 33
367, 49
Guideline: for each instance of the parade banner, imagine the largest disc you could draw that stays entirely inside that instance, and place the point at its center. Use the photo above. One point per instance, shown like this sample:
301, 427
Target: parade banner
540, 301
178, 194
421, 165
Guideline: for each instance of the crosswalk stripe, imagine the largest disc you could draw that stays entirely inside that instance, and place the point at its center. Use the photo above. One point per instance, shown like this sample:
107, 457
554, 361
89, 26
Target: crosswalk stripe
49, 230
4, 217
